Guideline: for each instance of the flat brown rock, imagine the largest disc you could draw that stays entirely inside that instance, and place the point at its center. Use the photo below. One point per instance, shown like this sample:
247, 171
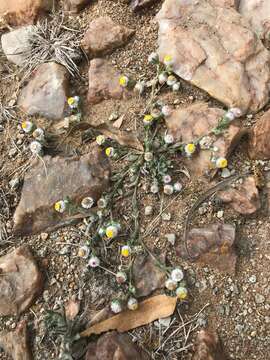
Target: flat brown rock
103, 36
212, 245
208, 347
20, 12
115, 346
190, 123
243, 198
147, 276
215, 49
257, 12
46, 93
20, 281
104, 82
259, 144
55, 179
74, 6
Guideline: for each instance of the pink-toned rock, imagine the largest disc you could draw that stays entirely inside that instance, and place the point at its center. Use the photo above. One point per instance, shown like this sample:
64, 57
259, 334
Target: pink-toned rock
115, 346
46, 93
215, 49
212, 245
259, 144
257, 12
20, 281
104, 82
243, 198
103, 36
74, 6
226, 3
208, 347
20, 12
16, 343
54, 179
192, 122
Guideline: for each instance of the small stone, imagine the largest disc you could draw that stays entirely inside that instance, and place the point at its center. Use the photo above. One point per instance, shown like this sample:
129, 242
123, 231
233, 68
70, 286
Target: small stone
225, 173
166, 216
220, 214
259, 299
14, 183
12, 153
170, 238
148, 210
252, 279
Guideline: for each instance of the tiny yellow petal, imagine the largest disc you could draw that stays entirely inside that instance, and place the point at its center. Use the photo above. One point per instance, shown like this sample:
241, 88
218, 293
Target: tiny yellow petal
71, 101
167, 58
190, 148
125, 251
221, 163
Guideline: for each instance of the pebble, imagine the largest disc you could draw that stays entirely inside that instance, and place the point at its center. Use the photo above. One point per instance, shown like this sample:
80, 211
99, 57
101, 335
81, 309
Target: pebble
44, 236
170, 238
1, 128
14, 183
252, 279
166, 216
259, 299
225, 173
148, 210
12, 152
220, 214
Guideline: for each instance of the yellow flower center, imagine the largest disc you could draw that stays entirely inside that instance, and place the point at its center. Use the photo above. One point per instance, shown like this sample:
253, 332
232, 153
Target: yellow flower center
109, 151
110, 233
190, 148
24, 125
125, 251
123, 81
71, 101
222, 163
167, 58
182, 294
57, 206
81, 252
148, 118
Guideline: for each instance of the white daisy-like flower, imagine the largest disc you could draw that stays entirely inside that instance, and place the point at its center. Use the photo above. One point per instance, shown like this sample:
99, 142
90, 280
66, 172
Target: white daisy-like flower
116, 306
27, 126
166, 110
112, 231
177, 275
229, 115
148, 156
171, 284
176, 86
221, 163
168, 189
171, 80
168, 139
36, 148
167, 179
84, 252
94, 261
236, 111
190, 149
132, 304
125, 251
177, 187
153, 58
139, 87
87, 202
154, 188
102, 203
110, 152
181, 293
124, 81
121, 277
73, 102
162, 78
168, 60
61, 206
39, 134
100, 140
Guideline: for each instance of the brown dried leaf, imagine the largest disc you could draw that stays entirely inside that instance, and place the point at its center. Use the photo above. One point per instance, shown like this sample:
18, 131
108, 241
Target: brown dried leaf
72, 309
118, 123
156, 307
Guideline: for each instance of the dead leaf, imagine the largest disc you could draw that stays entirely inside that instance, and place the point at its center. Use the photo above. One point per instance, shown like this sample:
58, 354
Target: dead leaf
118, 123
156, 307
72, 309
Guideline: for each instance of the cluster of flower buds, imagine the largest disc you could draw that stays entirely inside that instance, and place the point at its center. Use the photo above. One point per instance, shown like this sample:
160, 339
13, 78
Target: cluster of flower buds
175, 283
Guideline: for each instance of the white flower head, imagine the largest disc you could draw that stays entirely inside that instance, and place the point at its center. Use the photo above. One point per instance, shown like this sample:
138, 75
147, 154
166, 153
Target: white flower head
177, 187
116, 306
162, 78
153, 58
167, 179
39, 134
148, 156
61, 206
168, 139
100, 140
27, 126
36, 148
221, 163
168, 189
171, 80
73, 102
139, 87
87, 202
168, 60
181, 293
177, 275
121, 277
154, 188
166, 110
102, 203
112, 231
84, 252
132, 304
236, 111
124, 81
176, 86
171, 284
229, 115
94, 261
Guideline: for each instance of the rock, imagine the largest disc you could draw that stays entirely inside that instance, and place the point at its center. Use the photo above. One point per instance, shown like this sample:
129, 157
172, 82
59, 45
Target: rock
15, 343
103, 36
54, 179
190, 123
215, 49
74, 6
259, 299
114, 346
46, 93
20, 281
139, 4
147, 275
257, 12
244, 198
259, 144
208, 347
16, 44
211, 245
226, 3
104, 82
170, 238
21, 12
